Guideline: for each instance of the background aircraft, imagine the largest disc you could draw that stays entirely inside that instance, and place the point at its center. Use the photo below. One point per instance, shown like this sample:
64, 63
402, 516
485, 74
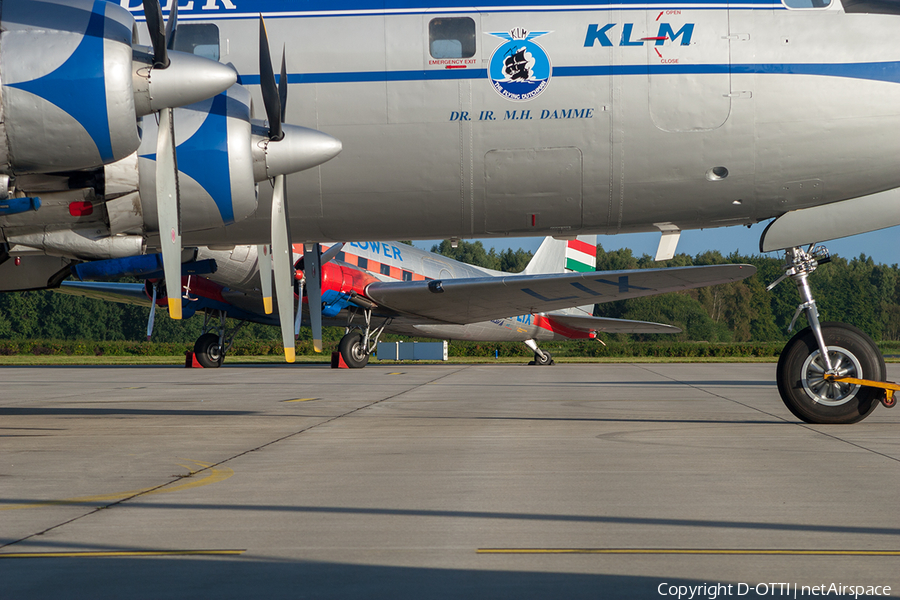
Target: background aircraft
373, 287
455, 122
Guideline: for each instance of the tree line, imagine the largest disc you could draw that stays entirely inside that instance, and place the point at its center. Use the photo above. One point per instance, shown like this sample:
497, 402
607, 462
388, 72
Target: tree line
856, 291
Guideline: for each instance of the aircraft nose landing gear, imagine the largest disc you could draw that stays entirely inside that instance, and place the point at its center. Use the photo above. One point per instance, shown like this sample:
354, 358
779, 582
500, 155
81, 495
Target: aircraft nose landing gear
828, 372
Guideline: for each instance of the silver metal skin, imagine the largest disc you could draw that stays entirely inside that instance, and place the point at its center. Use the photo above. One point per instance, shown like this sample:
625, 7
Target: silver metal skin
208, 199
412, 167
44, 136
73, 85
187, 79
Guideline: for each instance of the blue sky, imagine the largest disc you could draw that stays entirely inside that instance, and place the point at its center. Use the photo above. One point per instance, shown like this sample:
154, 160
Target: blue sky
881, 245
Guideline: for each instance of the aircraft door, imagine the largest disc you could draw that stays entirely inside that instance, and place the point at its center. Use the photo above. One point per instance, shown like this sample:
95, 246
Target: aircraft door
688, 66
532, 189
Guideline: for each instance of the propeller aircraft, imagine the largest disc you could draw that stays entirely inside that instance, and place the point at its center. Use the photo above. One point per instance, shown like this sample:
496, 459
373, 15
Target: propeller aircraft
375, 287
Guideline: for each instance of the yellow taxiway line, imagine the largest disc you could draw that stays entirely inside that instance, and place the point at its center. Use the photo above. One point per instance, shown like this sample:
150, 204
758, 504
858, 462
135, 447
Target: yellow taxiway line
215, 475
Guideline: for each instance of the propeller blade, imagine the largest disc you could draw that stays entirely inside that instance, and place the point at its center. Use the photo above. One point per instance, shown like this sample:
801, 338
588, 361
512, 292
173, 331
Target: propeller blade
153, 14
152, 318
331, 252
168, 207
282, 86
267, 84
281, 259
170, 26
298, 322
264, 257
312, 264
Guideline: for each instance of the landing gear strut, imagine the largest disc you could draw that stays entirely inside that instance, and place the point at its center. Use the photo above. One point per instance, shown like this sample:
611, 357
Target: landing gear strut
540, 357
816, 364
360, 341
210, 348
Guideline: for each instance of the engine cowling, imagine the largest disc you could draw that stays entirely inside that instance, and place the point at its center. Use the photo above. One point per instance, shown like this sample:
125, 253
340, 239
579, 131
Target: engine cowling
222, 155
74, 87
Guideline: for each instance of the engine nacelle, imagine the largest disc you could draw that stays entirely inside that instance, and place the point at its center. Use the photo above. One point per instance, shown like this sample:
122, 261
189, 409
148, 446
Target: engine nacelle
74, 87
345, 279
215, 162
68, 101
221, 155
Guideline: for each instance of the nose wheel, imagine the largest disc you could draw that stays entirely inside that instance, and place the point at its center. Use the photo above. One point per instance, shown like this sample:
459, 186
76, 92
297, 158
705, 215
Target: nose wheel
829, 372
815, 394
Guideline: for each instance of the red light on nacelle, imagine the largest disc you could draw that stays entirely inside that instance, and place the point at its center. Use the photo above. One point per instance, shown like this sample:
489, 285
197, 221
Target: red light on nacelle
81, 208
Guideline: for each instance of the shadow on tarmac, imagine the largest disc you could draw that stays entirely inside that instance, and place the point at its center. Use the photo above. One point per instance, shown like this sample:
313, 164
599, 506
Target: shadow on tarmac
245, 577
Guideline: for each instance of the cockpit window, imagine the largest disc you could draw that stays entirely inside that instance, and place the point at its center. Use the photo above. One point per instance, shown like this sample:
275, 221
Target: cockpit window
201, 39
807, 3
451, 37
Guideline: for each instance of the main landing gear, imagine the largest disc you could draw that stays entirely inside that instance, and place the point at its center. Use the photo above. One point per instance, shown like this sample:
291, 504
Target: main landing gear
828, 372
211, 347
541, 358
360, 341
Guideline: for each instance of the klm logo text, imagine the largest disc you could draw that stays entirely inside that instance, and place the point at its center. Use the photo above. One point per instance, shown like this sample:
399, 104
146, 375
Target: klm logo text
627, 37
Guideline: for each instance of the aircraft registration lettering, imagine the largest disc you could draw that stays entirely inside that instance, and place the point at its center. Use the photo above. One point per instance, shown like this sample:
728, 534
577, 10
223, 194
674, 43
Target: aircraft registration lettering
524, 319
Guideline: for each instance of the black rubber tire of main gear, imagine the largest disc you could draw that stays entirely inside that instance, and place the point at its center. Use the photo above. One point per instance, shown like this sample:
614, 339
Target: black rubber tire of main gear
789, 375
546, 360
350, 349
207, 351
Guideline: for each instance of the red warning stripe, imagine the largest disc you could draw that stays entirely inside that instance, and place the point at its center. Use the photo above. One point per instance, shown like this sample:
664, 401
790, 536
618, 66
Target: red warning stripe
582, 247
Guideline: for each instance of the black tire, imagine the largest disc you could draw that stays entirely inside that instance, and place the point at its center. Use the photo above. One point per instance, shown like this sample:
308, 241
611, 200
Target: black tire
208, 352
353, 350
812, 399
547, 359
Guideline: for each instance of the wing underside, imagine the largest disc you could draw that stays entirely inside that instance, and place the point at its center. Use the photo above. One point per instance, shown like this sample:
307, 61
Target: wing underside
472, 300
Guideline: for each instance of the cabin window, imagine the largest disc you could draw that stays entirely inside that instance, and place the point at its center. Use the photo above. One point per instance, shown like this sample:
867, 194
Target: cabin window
451, 37
201, 39
807, 3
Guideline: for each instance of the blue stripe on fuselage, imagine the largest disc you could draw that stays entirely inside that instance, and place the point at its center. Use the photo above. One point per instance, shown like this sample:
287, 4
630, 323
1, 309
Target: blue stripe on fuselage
878, 71
243, 9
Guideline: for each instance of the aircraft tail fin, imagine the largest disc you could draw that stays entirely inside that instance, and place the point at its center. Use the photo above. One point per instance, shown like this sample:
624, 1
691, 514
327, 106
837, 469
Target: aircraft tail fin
566, 256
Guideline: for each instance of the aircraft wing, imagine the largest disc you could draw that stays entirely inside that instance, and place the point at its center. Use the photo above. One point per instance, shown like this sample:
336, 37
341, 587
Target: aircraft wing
471, 300
607, 325
123, 293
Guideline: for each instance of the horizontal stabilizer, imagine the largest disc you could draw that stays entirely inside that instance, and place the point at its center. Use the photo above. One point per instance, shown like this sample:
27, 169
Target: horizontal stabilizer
607, 325
471, 300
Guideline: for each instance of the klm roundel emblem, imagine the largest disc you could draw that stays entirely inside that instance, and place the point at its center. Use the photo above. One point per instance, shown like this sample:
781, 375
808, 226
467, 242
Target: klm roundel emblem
519, 69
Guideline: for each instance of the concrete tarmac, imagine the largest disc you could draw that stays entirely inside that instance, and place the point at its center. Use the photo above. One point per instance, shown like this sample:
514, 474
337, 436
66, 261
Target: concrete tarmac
448, 481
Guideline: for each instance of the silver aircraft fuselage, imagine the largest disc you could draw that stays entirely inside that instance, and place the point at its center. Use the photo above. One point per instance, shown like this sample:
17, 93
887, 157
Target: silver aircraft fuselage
641, 116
